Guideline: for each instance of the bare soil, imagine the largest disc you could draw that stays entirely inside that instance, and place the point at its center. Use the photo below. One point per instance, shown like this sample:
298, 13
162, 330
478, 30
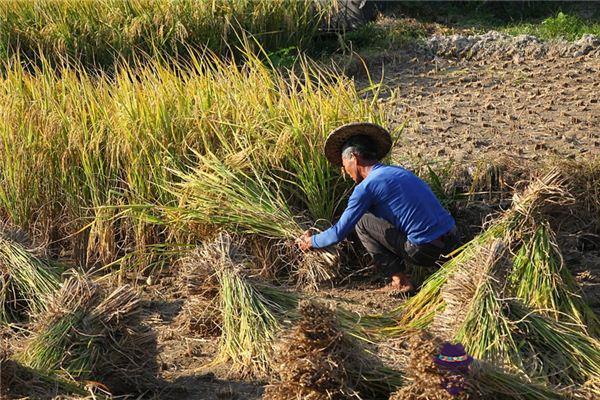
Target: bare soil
466, 110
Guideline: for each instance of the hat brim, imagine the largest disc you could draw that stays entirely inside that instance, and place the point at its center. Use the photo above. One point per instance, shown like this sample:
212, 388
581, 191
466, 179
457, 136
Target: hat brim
382, 140
451, 365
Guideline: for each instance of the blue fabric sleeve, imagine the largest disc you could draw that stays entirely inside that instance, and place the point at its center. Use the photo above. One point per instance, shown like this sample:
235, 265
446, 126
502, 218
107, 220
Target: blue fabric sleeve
360, 201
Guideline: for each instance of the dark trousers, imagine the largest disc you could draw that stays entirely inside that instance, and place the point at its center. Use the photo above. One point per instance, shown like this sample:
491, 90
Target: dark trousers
390, 248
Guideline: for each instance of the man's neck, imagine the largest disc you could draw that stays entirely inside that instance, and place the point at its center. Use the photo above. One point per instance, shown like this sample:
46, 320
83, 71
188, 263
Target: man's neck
365, 170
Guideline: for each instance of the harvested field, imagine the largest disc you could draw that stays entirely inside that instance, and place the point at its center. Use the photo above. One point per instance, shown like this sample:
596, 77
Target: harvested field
469, 110
152, 255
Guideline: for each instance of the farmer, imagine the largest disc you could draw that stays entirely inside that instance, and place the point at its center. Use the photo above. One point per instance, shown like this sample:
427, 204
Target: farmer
396, 215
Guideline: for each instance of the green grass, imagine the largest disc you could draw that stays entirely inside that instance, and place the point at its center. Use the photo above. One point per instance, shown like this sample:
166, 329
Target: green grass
384, 34
566, 26
544, 19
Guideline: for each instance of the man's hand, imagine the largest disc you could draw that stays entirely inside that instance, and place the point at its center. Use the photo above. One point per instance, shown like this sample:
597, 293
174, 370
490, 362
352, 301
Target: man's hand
305, 241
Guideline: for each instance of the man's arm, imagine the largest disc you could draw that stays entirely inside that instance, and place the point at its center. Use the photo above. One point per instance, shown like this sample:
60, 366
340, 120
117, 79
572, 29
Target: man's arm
360, 201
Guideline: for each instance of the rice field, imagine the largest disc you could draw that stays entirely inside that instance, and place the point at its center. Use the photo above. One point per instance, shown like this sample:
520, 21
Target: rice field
170, 188
102, 34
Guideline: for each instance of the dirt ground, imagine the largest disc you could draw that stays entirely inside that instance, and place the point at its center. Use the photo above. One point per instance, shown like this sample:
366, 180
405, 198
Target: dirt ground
463, 111
459, 111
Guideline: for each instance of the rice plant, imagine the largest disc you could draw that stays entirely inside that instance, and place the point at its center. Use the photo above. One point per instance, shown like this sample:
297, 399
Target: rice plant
253, 314
249, 320
101, 34
107, 149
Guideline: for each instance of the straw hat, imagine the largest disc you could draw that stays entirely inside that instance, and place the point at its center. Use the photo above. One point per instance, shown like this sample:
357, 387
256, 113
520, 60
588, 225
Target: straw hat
381, 138
453, 356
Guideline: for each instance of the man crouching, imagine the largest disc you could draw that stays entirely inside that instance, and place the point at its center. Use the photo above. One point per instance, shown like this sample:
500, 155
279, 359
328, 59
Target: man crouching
396, 215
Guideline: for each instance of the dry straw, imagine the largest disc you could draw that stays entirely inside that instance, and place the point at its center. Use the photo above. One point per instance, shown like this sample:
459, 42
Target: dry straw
423, 377
312, 362
319, 360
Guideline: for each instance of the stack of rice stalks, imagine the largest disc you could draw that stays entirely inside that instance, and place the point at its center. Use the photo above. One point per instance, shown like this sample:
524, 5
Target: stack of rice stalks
318, 360
249, 316
510, 299
18, 381
26, 281
89, 333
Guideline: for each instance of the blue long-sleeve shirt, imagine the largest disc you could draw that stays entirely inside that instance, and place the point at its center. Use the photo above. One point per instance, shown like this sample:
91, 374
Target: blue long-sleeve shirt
398, 196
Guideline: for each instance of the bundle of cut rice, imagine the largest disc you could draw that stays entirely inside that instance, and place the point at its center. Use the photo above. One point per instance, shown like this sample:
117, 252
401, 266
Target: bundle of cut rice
251, 202
319, 360
90, 333
26, 280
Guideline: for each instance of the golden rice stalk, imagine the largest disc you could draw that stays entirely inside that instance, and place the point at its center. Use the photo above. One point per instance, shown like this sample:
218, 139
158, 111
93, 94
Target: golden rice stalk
419, 311
249, 325
251, 314
250, 202
486, 331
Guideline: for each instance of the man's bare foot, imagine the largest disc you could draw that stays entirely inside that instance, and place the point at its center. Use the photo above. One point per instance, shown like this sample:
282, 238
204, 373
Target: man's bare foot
400, 284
